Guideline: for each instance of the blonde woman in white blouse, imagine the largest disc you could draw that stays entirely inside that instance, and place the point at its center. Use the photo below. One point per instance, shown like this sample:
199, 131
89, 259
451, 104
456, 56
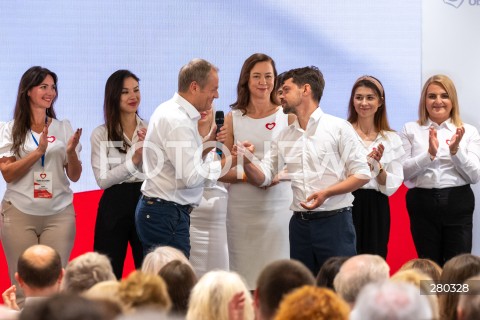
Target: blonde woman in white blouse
383, 149
442, 159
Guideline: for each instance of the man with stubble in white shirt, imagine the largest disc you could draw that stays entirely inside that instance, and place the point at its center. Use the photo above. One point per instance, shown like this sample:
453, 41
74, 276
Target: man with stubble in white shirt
174, 166
325, 165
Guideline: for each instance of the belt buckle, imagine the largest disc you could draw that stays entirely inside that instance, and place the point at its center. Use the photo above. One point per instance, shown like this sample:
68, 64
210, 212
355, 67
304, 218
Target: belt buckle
303, 215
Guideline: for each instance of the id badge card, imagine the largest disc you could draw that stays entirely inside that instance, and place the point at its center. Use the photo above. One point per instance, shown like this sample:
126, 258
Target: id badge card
42, 185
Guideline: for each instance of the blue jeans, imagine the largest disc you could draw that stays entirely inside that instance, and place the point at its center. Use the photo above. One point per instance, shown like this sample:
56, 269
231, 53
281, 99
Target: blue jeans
163, 224
314, 241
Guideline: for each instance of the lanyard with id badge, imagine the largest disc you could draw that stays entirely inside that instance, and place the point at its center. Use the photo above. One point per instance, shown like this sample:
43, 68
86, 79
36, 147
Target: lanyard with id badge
42, 180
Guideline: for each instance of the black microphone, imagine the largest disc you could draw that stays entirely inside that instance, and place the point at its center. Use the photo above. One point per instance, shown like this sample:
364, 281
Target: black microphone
219, 119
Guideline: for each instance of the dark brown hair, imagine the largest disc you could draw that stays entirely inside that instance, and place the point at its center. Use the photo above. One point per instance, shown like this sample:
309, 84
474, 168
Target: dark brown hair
180, 280
22, 113
456, 270
243, 94
307, 75
111, 106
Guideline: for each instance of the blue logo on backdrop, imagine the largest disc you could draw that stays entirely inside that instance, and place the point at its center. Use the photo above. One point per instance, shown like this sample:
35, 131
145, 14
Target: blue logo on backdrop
454, 3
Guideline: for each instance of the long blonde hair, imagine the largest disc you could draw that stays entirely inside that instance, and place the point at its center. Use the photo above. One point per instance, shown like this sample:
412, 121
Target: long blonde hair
447, 84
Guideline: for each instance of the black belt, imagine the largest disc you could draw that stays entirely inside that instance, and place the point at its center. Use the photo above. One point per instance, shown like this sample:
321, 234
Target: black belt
312, 215
187, 207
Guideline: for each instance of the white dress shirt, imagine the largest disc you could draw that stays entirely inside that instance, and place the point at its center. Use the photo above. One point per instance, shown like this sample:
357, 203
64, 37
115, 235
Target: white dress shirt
108, 163
324, 154
445, 170
172, 154
391, 162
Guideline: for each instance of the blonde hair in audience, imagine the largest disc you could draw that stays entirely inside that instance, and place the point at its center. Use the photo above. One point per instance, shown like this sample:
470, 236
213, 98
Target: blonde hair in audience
140, 290
212, 293
160, 256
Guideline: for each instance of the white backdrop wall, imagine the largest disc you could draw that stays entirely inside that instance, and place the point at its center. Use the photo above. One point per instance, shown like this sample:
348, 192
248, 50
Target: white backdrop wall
451, 46
85, 41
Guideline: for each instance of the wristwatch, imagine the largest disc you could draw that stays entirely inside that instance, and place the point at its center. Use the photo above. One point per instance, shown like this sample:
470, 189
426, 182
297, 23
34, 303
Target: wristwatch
380, 169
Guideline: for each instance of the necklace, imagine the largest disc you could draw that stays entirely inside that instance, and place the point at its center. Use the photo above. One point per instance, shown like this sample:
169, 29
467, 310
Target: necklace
366, 136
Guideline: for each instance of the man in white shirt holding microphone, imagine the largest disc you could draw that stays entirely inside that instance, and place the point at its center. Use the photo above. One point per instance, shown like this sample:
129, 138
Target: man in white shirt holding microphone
174, 165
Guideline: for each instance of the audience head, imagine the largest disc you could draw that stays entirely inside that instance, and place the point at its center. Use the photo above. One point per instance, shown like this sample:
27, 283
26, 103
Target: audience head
63, 306
328, 271
86, 270
456, 270
310, 76
106, 294
143, 290
427, 266
149, 315
160, 256
358, 271
371, 86
180, 280
39, 267
275, 281
248, 74
391, 300
212, 293
421, 281
310, 302
469, 304
446, 84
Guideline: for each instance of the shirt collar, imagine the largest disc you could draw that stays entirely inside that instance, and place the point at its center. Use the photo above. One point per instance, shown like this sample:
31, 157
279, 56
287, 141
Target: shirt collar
314, 117
446, 124
191, 111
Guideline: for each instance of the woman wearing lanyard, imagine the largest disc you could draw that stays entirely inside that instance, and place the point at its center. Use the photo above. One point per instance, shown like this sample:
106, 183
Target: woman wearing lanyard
38, 155
442, 159
116, 155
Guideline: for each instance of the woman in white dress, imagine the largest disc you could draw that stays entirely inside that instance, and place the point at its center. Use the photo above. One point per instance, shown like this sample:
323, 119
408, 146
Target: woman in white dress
257, 218
208, 233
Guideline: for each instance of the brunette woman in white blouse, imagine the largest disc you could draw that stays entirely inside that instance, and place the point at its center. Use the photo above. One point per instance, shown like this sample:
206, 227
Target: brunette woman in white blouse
442, 160
38, 156
116, 160
367, 112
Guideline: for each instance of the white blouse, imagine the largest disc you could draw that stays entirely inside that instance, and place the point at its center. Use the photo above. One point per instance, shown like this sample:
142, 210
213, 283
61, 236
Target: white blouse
20, 192
391, 162
445, 170
108, 163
